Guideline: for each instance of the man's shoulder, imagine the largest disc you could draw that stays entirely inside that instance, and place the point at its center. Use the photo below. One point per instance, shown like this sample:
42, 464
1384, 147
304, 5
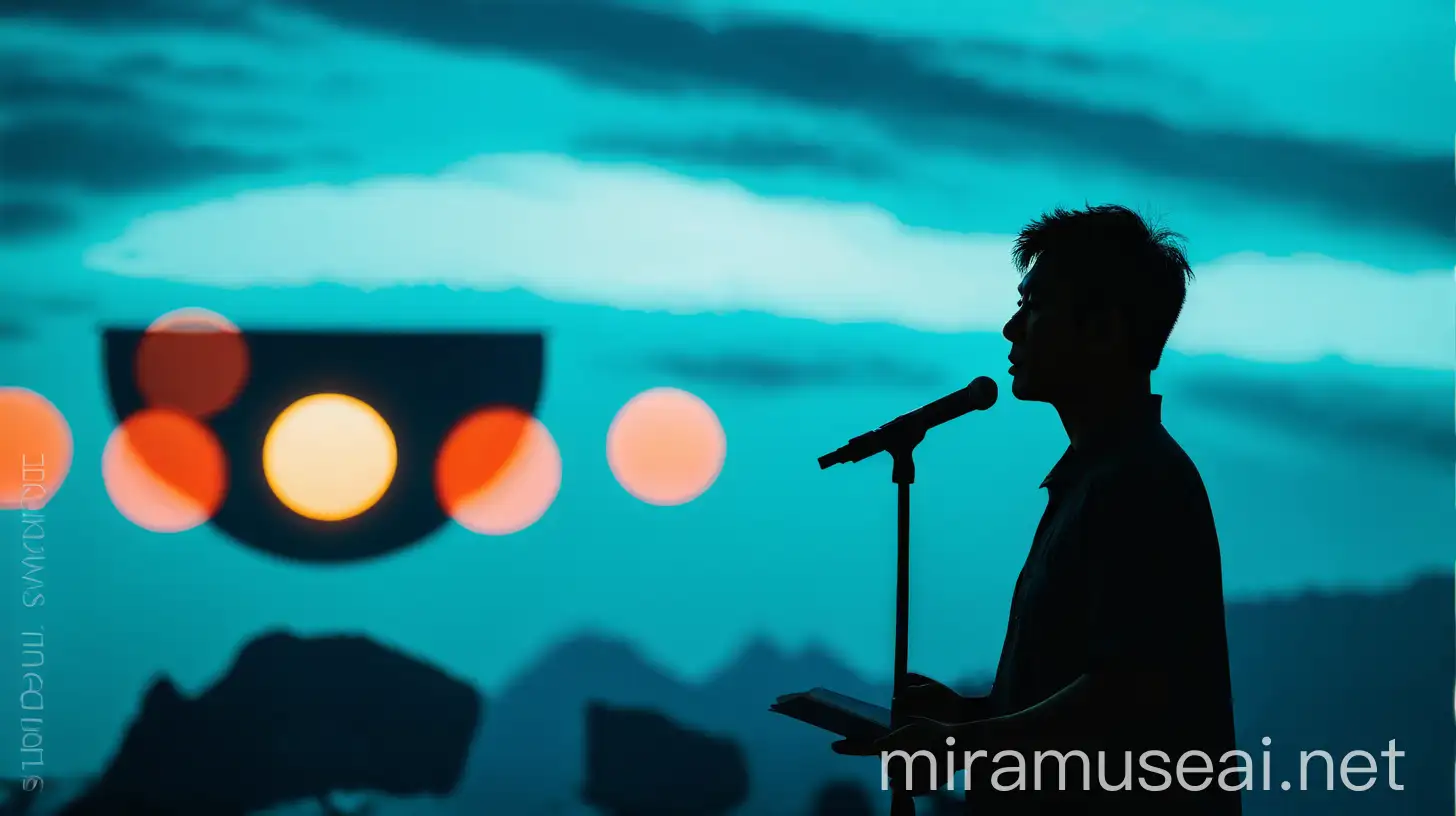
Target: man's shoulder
1151, 465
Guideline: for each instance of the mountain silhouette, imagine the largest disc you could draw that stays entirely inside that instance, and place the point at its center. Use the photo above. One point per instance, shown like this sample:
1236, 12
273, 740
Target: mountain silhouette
532, 747
1337, 671
1346, 671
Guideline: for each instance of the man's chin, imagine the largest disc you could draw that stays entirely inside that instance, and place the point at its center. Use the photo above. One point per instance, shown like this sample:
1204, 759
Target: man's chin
1024, 390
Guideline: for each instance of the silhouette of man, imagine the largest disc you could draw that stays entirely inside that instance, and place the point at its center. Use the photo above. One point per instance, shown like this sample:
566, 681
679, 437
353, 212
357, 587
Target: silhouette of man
1116, 641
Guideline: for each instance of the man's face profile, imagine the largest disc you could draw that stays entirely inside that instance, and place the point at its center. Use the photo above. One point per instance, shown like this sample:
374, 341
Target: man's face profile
1047, 351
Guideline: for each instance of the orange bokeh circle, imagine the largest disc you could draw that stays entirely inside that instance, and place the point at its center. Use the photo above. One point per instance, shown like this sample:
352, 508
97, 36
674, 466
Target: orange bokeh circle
498, 471
35, 449
193, 361
164, 471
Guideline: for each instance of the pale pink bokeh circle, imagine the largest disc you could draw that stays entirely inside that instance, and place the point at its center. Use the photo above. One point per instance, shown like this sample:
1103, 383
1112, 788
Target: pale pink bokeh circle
666, 447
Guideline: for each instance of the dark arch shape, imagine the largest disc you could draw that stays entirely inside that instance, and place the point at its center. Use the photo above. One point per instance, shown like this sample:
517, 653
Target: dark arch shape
421, 383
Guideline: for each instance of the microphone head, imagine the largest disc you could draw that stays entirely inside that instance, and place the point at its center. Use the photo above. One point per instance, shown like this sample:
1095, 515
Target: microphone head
983, 392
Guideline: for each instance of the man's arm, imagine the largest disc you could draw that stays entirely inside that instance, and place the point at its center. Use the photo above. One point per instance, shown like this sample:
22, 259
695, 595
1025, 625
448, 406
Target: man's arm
1140, 537
973, 707
1074, 718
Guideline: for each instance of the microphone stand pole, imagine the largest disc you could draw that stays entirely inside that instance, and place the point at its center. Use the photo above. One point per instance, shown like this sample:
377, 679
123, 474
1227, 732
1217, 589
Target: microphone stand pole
902, 473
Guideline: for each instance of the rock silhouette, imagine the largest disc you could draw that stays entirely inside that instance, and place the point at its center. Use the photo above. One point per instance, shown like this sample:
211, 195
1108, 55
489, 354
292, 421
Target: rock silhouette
1334, 670
18, 801
641, 763
843, 798
946, 804
293, 719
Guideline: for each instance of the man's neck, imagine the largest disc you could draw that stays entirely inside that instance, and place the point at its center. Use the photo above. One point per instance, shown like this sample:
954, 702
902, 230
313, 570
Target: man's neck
1103, 409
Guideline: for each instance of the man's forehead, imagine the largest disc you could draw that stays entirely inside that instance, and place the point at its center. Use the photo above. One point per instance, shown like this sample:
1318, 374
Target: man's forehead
1036, 279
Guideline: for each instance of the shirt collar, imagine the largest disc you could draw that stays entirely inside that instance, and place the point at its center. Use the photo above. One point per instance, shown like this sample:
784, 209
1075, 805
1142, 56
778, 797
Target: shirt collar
1148, 414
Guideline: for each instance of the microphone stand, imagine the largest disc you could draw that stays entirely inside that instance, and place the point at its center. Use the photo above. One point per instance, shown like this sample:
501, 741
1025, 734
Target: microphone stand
899, 437
902, 473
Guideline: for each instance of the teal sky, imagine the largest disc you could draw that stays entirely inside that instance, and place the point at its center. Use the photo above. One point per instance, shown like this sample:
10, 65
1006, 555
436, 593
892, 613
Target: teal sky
694, 194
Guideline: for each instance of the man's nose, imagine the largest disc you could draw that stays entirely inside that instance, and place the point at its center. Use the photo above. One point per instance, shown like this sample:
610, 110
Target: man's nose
1012, 330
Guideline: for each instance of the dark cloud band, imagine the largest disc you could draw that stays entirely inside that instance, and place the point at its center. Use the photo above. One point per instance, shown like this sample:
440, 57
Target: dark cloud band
768, 371
892, 81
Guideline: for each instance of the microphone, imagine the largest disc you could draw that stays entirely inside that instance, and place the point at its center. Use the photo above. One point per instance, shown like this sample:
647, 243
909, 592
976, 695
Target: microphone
978, 396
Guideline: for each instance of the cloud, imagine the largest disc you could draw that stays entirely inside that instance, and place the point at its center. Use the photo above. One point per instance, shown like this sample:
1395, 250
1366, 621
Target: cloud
54, 303
641, 238
30, 218
40, 87
1017, 54
903, 84
133, 14
160, 67
117, 156
21, 312
754, 150
1411, 422
15, 331
25, 83
99, 130
772, 371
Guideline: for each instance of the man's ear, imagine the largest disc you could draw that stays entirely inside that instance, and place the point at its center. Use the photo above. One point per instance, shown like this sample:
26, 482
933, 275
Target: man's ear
1104, 329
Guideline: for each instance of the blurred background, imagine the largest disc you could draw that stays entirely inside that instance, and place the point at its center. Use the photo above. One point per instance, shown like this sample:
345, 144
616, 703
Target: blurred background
797, 216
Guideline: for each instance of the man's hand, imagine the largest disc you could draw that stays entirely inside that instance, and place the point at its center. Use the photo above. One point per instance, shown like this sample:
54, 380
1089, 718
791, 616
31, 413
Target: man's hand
917, 735
924, 697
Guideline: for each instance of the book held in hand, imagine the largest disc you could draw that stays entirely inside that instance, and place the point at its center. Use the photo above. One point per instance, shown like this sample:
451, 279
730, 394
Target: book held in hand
835, 713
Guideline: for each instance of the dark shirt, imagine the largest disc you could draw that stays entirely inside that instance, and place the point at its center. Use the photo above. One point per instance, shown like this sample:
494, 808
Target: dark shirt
1123, 579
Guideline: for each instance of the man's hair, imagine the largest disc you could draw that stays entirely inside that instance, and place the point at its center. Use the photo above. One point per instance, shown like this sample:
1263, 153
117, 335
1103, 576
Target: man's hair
1115, 259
